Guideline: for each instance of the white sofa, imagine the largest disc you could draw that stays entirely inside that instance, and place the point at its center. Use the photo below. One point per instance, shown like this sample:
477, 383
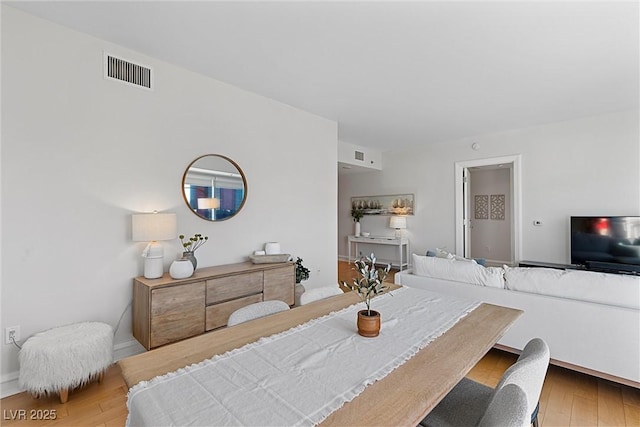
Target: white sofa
590, 320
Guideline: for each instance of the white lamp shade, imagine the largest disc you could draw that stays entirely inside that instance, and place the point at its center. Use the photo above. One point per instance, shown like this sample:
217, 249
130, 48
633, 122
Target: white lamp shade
208, 203
155, 226
398, 222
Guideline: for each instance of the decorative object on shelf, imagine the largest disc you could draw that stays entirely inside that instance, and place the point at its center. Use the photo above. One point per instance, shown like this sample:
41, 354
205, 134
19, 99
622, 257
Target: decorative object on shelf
395, 204
272, 248
369, 284
269, 259
399, 223
181, 268
214, 187
357, 214
190, 247
152, 228
302, 273
365, 234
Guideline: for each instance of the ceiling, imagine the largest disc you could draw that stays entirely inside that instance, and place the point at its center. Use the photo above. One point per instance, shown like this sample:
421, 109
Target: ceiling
392, 74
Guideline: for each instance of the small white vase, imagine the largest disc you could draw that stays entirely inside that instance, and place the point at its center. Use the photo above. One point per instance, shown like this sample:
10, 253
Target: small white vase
357, 234
181, 269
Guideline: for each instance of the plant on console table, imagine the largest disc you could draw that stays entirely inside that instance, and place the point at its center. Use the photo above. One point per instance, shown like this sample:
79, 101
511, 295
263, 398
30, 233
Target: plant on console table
369, 283
302, 272
189, 247
357, 215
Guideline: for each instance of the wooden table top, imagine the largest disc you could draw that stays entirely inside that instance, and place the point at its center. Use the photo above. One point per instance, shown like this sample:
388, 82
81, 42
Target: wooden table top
403, 397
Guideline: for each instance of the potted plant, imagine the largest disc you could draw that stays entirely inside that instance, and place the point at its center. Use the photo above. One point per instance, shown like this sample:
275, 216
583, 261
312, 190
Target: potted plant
357, 215
302, 273
189, 247
369, 283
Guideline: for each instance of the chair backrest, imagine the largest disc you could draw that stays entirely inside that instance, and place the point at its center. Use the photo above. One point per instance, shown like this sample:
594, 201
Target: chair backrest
256, 310
508, 408
529, 372
316, 294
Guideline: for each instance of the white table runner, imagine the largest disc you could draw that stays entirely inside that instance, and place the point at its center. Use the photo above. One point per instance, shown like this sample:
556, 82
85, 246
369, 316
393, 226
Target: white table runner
299, 376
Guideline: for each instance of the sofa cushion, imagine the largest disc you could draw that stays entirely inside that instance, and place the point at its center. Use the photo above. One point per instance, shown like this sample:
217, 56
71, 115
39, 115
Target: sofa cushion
604, 288
459, 271
441, 253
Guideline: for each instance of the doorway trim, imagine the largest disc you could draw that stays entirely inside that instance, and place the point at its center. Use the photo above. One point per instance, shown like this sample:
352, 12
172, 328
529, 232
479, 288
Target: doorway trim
516, 188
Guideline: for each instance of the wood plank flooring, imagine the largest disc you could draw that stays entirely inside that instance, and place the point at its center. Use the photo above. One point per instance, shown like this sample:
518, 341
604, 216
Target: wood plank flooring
568, 398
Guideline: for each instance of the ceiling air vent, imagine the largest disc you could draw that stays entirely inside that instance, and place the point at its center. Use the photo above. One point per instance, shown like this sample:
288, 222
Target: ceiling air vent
127, 72
359, 155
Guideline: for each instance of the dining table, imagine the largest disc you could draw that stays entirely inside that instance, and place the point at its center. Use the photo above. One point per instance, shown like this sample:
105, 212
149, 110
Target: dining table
404, 396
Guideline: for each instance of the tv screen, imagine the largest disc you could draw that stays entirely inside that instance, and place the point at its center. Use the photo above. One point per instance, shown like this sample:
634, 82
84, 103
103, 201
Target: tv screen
608, 239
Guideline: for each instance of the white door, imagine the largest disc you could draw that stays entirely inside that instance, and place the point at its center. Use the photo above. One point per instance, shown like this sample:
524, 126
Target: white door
463, 220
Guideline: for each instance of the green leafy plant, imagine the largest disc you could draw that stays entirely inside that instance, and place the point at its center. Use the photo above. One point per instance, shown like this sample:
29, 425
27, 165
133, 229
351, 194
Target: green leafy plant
302, 273
194, 242
370, 281
357, 214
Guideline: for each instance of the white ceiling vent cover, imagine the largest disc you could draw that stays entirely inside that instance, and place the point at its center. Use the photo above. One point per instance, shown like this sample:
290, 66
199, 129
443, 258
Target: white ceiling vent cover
127, 72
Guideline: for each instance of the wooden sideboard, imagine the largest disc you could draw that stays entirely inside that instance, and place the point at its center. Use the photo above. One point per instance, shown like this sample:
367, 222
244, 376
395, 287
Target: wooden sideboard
166, 310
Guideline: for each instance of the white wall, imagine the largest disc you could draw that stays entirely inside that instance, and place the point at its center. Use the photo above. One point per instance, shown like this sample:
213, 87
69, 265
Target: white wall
589, 166
80, 154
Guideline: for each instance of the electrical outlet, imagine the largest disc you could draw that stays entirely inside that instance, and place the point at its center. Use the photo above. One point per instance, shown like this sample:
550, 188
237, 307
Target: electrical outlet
12, 333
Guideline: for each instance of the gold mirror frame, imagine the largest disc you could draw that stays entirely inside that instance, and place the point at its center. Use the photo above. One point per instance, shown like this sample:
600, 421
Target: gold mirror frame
211, 187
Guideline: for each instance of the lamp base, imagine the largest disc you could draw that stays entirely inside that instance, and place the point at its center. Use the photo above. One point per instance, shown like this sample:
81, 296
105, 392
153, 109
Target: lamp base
153, 260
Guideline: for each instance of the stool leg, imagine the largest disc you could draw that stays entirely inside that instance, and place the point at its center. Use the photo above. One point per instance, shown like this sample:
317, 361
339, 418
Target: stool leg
64, 395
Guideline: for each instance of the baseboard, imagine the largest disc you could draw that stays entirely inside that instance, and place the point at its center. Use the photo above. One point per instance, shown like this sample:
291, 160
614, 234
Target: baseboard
126, 349
9, 383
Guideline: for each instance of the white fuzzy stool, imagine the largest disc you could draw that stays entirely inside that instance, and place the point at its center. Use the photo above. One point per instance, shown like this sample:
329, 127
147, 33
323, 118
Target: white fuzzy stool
65, 357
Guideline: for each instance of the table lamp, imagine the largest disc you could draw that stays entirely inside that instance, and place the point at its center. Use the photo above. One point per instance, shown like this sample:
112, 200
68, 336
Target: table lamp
208, 203
399, 223
151, 228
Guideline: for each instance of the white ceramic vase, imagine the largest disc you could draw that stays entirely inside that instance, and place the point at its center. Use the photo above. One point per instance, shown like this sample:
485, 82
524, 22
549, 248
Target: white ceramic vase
357, 234
181, 268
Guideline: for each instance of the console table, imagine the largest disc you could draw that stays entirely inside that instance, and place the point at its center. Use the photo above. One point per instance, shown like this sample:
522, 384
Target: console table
401, 243
166, 310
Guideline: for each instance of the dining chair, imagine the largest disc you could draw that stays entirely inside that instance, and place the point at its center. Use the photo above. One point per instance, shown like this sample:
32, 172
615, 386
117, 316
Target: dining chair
256, 310
468, 400
315, 294
508, 408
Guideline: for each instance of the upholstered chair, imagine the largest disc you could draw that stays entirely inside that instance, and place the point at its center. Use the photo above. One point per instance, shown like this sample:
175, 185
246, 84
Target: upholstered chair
256, 311
468, 401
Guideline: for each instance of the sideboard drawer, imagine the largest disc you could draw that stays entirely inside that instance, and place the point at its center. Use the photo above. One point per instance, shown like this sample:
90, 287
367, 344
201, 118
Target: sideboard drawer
218, 314
236, 286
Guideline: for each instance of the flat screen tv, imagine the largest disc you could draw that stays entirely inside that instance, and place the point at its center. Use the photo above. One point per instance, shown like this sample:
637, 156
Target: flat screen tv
606, 242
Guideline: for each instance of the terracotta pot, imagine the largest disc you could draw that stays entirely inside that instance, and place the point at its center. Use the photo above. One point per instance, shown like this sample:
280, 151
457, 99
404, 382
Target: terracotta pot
368, 326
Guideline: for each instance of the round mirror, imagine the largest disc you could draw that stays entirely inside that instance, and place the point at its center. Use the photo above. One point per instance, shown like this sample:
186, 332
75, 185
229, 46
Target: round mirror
214, 187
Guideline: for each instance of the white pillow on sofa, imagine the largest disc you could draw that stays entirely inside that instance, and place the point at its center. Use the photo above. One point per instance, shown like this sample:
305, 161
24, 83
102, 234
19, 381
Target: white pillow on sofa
459, 271
604, 288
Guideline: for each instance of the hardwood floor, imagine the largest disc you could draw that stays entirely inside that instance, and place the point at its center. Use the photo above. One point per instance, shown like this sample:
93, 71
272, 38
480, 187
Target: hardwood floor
568, 398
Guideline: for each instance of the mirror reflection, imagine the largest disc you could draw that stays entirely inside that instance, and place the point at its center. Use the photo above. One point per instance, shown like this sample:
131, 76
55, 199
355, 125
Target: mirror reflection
214, 187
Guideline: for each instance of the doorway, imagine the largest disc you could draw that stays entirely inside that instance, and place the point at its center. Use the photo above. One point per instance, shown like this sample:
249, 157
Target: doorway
488, 214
